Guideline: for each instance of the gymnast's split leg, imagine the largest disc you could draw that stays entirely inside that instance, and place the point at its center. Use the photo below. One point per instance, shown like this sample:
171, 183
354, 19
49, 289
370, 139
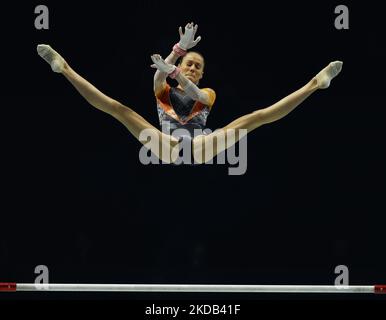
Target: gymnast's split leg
205, 147
135, 123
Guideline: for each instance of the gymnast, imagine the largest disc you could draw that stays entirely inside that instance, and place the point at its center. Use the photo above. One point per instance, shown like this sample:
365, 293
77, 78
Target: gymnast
185, 106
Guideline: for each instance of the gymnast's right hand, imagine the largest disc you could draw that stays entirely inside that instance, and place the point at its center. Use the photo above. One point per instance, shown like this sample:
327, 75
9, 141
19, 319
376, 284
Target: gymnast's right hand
187, 39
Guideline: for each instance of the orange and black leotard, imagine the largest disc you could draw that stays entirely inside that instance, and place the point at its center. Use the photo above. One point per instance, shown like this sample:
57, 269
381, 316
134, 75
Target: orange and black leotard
177, 110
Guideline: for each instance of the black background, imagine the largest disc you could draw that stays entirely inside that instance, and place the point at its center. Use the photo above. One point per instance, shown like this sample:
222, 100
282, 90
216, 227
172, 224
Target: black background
76, 198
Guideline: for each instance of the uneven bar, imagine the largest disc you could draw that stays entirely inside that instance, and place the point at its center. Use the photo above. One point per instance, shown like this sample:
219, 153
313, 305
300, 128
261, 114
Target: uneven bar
12, 287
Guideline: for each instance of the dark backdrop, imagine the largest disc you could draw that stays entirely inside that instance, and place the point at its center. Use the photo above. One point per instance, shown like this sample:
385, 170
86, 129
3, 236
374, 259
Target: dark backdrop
76, 198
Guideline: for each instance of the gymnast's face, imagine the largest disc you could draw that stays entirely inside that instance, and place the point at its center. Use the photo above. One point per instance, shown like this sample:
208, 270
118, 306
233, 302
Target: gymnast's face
192, 66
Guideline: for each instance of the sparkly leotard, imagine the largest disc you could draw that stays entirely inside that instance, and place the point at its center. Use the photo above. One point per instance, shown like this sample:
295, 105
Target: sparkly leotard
177, 110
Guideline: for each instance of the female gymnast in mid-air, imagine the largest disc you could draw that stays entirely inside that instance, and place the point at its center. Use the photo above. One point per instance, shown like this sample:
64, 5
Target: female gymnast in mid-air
185, 106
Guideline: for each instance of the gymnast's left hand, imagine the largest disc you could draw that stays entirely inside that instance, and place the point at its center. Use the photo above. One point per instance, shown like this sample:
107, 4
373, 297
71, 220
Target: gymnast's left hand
161, 64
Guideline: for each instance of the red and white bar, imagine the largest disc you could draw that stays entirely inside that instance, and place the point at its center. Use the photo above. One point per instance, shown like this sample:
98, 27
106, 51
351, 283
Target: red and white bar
13, 287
